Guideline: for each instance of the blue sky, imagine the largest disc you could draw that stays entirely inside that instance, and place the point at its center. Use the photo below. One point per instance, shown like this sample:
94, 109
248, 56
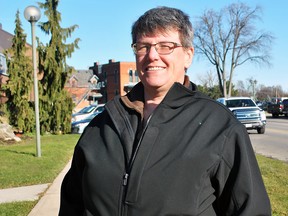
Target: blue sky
105, 26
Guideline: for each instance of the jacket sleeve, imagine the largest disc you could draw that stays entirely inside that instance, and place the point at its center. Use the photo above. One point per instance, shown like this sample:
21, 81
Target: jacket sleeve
71, 201
240, 185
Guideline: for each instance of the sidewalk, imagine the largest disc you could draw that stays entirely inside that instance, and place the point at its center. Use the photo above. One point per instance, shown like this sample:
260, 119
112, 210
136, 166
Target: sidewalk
49, 203
28, 193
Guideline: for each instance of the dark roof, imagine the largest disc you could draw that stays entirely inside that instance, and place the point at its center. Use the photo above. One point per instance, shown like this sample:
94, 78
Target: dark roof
5, 40
82, 77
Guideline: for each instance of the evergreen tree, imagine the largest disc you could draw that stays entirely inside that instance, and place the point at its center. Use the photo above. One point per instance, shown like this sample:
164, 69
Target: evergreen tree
214, 91
55, 104
19, 86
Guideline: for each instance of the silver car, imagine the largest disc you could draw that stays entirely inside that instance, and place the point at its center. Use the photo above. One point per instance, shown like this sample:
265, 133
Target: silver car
79, 126
87, 111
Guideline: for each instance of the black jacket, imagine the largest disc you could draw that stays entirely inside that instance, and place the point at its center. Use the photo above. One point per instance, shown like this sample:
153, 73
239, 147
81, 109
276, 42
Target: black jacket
192, 157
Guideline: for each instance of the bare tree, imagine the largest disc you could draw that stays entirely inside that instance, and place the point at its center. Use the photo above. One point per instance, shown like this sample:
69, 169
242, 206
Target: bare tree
207, 80
229, 38
265, 93
242, 89
252, 86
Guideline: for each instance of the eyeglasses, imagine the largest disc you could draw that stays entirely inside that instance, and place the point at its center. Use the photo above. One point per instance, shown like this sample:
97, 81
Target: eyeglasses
162, 48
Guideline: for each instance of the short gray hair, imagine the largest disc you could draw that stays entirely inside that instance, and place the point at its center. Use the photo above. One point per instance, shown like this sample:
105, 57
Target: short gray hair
162, 20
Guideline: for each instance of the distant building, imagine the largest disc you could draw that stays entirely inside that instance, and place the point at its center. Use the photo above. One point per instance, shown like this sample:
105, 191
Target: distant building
101, 83
6, 43
97, 85
3, 77
115, 78
84, 88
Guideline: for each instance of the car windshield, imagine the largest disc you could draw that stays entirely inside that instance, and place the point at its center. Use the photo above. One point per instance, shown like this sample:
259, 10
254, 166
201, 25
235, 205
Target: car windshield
99, 109
240, 103
87, 109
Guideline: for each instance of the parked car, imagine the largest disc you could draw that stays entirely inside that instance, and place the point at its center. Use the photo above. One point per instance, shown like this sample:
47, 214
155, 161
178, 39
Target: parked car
247, 112
285, 107
87, 111
265, 104
260, 104
79, 126
276, 107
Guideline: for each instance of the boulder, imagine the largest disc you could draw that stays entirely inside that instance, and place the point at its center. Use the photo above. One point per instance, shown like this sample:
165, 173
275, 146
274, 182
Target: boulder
7, 133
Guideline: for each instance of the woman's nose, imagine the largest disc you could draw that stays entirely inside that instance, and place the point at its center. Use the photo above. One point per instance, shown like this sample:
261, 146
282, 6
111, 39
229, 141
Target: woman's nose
152, 53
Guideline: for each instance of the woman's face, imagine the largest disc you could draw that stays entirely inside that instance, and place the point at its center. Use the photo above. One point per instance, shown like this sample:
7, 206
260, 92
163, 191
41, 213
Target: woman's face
159, 71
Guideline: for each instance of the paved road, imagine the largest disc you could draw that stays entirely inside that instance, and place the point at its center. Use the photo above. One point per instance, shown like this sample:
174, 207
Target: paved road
274, 143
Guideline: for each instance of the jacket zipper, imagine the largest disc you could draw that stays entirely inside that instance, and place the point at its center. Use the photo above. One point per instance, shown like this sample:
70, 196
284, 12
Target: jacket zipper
125, 179
127, 173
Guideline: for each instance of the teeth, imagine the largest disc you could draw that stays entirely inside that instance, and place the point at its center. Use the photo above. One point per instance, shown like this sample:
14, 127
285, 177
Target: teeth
155, 68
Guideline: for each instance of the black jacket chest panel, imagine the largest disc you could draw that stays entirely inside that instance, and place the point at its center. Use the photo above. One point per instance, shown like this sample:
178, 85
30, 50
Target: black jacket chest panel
182, 163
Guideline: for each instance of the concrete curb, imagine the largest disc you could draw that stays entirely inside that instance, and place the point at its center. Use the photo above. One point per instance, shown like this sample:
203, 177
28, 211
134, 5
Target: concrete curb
49, 203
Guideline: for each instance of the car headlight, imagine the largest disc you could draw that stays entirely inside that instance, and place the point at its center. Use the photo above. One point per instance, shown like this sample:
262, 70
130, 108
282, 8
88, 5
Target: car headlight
234, 112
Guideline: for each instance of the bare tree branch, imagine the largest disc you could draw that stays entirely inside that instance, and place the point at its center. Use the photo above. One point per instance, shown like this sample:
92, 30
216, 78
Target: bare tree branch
229, 38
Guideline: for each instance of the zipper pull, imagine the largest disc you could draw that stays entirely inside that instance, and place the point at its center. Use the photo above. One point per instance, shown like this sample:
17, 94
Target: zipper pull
125, 179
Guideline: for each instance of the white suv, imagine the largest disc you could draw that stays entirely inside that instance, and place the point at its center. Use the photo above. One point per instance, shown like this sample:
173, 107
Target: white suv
247, 112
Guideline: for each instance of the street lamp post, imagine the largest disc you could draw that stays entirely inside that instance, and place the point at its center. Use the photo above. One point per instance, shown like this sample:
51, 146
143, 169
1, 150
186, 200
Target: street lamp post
32, 14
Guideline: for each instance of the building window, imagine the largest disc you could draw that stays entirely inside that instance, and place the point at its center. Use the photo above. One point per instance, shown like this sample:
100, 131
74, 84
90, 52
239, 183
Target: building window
136, 76
116, 76
130, 75
3, 65
74, 83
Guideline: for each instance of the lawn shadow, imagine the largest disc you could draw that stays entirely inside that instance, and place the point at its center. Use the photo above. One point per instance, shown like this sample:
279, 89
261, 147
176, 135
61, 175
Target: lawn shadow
19, 152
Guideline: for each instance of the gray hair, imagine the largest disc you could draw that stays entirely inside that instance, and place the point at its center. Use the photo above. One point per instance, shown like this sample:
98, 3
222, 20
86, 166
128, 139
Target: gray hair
162, 20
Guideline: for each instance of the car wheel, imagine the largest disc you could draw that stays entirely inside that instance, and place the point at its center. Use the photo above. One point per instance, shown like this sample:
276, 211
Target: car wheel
261, 130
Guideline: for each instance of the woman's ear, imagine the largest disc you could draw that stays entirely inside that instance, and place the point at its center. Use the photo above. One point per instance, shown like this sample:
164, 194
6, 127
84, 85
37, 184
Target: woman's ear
189, 57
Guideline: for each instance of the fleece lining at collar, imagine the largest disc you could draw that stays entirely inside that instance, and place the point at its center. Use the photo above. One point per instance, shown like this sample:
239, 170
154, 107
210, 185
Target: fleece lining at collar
135, 98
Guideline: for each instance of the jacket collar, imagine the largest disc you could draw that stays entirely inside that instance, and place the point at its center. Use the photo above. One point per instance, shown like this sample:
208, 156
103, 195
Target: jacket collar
174, 98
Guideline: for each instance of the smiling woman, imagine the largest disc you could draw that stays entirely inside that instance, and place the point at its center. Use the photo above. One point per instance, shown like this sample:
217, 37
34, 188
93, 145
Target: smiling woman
135, 141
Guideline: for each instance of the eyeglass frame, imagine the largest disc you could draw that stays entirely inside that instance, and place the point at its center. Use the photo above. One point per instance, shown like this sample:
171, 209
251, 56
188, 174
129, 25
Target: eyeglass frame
175, 45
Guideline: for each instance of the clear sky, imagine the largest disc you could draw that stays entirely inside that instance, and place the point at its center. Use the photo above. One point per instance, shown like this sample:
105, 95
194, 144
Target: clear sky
105, 26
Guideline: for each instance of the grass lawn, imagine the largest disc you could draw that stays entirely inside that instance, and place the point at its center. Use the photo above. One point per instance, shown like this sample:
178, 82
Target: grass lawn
275, 176
20, 167
17, 208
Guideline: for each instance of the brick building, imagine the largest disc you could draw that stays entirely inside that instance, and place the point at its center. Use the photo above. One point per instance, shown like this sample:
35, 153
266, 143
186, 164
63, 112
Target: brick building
6, 43
115, 78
